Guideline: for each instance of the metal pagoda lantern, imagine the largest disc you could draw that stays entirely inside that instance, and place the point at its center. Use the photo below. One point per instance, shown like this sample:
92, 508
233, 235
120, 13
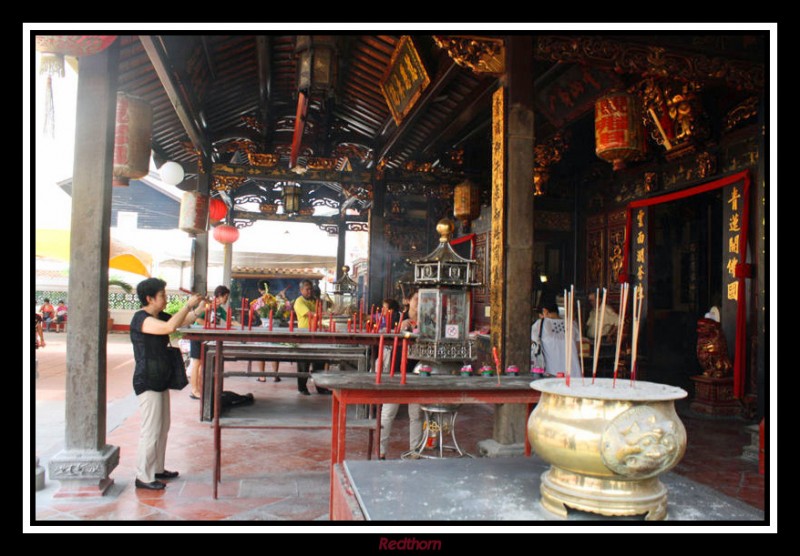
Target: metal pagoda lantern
443, 278
345, 291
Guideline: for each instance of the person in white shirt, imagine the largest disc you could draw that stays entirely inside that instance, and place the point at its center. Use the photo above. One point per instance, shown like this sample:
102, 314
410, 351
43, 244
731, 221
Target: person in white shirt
550, 327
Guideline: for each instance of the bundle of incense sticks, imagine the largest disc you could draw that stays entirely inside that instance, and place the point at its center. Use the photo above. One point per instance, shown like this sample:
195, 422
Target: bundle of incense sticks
580, 339
599, 312
623, 306
404, 361
394, 355
379, 362
568, 331
636, 315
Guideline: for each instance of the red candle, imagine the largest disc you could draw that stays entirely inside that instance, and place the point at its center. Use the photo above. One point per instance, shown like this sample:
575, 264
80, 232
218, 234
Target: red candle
242, 317
394, 356
349, 329
206, 315
270, 320
360, 327
291, 321
379, 363
215, 313
404, 361
250, 320
230, 314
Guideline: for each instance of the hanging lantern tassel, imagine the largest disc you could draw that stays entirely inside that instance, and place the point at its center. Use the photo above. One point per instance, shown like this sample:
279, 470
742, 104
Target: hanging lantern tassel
50, 65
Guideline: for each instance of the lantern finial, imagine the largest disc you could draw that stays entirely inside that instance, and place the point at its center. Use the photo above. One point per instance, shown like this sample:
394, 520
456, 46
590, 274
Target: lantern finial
445, 227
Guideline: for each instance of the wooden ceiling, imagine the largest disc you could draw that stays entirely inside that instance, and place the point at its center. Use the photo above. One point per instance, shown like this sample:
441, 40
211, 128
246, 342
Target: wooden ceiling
210, 92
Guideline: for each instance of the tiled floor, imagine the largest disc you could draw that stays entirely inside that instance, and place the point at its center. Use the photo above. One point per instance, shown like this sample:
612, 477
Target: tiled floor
275, 475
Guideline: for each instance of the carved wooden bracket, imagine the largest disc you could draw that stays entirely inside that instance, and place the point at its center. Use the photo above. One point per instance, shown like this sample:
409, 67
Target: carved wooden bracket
481, 55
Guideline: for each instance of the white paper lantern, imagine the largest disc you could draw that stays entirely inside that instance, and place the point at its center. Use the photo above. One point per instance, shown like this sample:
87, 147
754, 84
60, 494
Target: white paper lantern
171, 173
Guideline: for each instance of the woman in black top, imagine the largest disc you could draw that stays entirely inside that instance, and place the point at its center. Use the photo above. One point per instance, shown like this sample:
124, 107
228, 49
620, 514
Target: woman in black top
150, 330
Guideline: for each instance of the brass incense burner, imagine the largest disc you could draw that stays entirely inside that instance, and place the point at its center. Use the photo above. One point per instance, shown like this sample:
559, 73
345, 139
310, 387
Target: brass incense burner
607, 444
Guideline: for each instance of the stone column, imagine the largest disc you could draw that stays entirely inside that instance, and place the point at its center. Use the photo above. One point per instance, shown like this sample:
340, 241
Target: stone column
340, 246
377, 246
512, 234
227, 264
200, 254
84, 466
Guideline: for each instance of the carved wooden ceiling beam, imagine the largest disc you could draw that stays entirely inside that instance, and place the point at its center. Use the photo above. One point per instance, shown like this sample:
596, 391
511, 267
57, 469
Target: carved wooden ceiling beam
284, 174
178, 92
244, 215
649, 60
481, 55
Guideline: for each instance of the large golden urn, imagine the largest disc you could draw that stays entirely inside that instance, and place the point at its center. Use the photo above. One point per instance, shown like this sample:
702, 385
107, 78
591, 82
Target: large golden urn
607, 443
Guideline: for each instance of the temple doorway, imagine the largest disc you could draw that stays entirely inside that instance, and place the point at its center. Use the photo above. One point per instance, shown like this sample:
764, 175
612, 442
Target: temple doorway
685, 281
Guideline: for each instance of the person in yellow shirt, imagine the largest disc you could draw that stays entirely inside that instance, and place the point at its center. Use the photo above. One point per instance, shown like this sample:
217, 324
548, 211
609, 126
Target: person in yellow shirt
304, 307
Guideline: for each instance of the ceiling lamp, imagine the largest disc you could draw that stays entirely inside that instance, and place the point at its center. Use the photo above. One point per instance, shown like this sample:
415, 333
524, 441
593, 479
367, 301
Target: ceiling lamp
171, 173
132, 139
194, 213
466, 202
291, 198
317, 65
618, 129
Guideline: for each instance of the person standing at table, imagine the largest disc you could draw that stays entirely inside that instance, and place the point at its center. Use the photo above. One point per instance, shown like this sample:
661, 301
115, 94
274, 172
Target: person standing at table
304, 307
221, 296
150, 329
265, 299
389, 410
48, 313
551, 331
61, 316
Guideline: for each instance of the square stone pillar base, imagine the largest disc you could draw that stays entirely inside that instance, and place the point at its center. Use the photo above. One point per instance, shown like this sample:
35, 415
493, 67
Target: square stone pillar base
714, 396
83, 473
39, 476
490, 448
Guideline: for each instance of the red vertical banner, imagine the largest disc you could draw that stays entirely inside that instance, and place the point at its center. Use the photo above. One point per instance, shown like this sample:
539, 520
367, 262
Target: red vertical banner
736, 215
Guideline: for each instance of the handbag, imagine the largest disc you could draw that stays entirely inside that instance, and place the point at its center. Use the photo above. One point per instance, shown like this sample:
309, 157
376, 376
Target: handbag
177, 379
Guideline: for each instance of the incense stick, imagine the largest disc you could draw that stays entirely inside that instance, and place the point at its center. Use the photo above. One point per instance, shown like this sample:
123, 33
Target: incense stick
596, 346
638, 298
622, 309
580, 339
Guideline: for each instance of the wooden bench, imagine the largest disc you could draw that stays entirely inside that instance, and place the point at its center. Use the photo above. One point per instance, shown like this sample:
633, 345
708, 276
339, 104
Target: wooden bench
348, 357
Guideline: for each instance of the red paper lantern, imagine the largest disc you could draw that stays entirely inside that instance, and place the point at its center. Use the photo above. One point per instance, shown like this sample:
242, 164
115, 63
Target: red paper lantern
217, 209
132, 139
225, 233
618, 128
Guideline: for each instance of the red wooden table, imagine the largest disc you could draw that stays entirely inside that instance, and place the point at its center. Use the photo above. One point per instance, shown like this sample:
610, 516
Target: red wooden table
299, 336
361, 389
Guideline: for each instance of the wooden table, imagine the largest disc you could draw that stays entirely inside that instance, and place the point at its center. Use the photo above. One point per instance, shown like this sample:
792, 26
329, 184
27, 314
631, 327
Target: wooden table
222, 336
361, 389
